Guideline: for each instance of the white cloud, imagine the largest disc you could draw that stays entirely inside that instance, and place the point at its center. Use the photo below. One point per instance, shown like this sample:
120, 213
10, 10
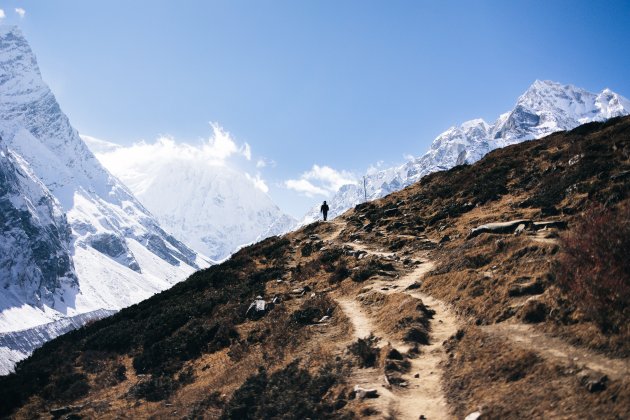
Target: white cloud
221, 146
320, 180
258, 182
264, 162
246, 151
408, 156
20, 11
2, 15
304, 187
376, 168
139, 162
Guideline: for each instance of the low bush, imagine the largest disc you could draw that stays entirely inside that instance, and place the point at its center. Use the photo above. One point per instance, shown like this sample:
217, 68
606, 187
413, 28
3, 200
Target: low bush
341, 272
312, 310
307, 249
594, 267
366, 351
290, 393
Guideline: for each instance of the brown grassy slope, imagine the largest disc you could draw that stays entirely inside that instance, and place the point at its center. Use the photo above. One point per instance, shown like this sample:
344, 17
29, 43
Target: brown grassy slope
492, 278
191, 351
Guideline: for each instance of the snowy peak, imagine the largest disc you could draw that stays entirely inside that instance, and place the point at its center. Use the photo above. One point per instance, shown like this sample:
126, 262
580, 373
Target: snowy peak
544, 108
211, 207
35, 253
611, 104
74, 238
547, 107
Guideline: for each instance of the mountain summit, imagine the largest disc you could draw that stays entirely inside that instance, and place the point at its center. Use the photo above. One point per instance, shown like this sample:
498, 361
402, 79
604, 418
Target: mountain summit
58, 200
545, 107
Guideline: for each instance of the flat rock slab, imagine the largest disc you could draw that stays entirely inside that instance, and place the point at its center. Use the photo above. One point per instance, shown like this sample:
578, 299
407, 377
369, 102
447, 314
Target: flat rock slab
500, 227
513, 225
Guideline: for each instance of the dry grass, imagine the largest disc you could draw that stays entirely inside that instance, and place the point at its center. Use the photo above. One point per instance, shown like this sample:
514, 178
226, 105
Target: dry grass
490, 374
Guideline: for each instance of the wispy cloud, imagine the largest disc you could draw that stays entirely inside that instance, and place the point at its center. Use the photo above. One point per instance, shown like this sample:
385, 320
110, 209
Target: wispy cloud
258, 182
305, 187
320, 180
2, 14
138, 162
20, 11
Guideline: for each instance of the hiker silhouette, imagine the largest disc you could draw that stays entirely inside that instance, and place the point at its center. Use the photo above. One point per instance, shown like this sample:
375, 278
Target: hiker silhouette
324, 210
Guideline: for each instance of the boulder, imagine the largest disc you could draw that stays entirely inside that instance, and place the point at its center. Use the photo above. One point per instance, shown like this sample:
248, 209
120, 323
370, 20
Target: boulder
258, 308
519, 229
500, 227
362, 393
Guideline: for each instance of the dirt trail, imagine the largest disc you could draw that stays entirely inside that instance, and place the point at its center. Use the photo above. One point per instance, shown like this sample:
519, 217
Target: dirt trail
361, 324
557, 350
423, 395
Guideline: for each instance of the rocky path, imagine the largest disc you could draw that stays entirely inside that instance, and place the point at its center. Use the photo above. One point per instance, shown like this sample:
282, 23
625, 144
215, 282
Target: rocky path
423, 394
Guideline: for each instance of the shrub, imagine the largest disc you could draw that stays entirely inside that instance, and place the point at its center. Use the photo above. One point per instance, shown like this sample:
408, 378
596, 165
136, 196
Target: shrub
594, 267
290, 393
307, 249
312, 310
341, 272
365, 350
156, 388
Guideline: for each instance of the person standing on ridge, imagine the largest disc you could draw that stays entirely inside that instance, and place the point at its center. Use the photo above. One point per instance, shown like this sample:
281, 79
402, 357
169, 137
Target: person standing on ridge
324, 210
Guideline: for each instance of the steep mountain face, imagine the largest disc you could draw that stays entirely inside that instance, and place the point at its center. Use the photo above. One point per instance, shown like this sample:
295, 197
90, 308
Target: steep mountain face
36, 266
546, 107
76, 239
209, 206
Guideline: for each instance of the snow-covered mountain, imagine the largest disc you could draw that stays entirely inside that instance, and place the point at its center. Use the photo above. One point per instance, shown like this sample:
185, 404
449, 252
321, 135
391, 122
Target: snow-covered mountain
36, 266
546, 107
74, 239
205, 204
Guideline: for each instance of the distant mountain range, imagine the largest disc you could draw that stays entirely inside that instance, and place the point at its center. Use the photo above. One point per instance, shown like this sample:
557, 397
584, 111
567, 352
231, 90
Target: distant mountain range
544, 108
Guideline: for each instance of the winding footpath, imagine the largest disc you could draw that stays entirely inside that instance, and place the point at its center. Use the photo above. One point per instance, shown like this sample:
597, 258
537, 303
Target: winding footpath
423, 394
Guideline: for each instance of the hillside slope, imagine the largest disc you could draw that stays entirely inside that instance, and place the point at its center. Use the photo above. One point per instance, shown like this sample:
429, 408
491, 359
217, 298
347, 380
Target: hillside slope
455, 276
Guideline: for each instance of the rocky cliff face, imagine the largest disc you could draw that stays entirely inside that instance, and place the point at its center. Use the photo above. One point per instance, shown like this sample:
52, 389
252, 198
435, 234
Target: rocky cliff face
546, 107
36, 266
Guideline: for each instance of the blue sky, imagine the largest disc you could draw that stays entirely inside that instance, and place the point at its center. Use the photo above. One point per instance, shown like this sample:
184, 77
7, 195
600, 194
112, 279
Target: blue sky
342, 84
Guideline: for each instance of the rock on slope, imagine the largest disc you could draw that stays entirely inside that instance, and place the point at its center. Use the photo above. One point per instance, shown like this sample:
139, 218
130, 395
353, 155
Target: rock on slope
109, 251
546, 107
209, 206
